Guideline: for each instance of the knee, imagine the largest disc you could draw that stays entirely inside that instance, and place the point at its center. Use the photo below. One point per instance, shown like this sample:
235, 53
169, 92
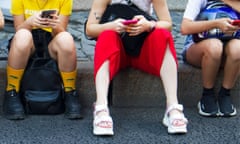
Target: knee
65, 42
22, 41
214, 49
233, 50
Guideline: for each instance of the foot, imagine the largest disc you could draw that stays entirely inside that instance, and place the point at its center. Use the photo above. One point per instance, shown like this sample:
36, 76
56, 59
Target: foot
102, 123
226, 107
72, 105
207, 106
175, 120
12, 106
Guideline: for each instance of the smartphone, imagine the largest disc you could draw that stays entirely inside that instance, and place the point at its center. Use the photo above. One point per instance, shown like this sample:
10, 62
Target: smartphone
236, 22
48, 13
128, 22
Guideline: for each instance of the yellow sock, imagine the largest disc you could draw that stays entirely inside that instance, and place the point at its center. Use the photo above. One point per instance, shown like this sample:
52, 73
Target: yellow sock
13, 78
69, 79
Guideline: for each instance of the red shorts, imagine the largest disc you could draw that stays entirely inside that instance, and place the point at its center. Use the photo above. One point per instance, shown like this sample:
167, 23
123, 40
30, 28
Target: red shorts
109, 47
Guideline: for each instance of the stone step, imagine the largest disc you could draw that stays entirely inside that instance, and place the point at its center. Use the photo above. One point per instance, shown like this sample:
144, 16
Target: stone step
133, 88
86, 4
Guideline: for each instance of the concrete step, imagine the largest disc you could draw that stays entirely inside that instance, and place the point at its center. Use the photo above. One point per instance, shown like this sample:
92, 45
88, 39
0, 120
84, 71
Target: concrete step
133, 88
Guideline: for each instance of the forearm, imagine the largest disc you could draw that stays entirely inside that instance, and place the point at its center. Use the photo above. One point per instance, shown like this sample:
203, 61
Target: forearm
93, 30
188, 27
57, 30
25, 25
61, 24
1, 21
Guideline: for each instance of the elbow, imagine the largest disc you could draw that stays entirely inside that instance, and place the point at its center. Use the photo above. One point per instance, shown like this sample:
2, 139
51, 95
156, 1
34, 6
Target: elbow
2, 24
87, 30
88, 33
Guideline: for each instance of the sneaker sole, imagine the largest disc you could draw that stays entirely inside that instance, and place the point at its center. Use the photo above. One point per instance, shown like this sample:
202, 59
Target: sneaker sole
234, 113
204, 113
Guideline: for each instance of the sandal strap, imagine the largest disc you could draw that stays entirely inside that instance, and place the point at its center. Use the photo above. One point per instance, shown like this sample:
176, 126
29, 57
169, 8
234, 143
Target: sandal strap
98, 120
174, 107
178, 117
100, 108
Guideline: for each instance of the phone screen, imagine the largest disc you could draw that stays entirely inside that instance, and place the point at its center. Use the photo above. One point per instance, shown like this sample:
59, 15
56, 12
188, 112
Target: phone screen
48, 13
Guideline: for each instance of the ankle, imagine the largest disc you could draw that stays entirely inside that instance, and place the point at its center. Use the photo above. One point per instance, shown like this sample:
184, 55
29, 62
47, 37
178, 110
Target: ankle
101, 110
208, 92
224, 92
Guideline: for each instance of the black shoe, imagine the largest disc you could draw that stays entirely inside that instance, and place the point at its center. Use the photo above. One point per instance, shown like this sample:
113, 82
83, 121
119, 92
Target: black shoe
12, 106
72, 105
225, 106
208, 106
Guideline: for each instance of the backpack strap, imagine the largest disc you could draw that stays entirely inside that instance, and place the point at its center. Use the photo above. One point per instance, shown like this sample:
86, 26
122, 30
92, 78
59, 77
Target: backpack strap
41, 40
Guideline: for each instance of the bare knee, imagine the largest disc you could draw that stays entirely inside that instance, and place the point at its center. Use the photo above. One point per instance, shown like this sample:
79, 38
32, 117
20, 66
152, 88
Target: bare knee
65, 43
214, 49
22, 41
233, 50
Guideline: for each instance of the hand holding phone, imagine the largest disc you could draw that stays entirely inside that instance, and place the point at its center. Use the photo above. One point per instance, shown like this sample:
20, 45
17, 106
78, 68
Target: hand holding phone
236, 23
48, 13
128, 22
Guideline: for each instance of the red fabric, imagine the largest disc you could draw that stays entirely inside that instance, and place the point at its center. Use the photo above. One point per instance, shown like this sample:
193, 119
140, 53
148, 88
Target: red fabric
109, 47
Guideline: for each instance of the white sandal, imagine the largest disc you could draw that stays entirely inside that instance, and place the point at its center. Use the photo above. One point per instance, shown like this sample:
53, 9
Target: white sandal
102, 125
176, 123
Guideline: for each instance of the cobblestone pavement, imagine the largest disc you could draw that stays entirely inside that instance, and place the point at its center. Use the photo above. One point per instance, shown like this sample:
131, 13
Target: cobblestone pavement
85, 48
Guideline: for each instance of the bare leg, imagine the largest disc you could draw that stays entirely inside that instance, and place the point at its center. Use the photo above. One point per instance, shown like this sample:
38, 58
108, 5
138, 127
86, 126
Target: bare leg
20, 51
207, 55
168, 75
102, 84
62, 48
232, 64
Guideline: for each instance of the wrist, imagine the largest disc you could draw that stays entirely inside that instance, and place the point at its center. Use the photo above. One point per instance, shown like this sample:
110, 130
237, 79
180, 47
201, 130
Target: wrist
152, 26
29, 23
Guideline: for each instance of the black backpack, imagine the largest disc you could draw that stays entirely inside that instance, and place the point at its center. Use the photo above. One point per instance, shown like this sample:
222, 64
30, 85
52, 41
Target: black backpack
41, 87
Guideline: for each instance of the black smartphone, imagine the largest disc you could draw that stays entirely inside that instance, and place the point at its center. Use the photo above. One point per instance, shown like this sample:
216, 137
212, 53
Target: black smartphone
48, 13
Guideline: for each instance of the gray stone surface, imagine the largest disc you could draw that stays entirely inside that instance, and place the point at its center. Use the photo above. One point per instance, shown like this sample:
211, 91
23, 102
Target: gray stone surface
131, 126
